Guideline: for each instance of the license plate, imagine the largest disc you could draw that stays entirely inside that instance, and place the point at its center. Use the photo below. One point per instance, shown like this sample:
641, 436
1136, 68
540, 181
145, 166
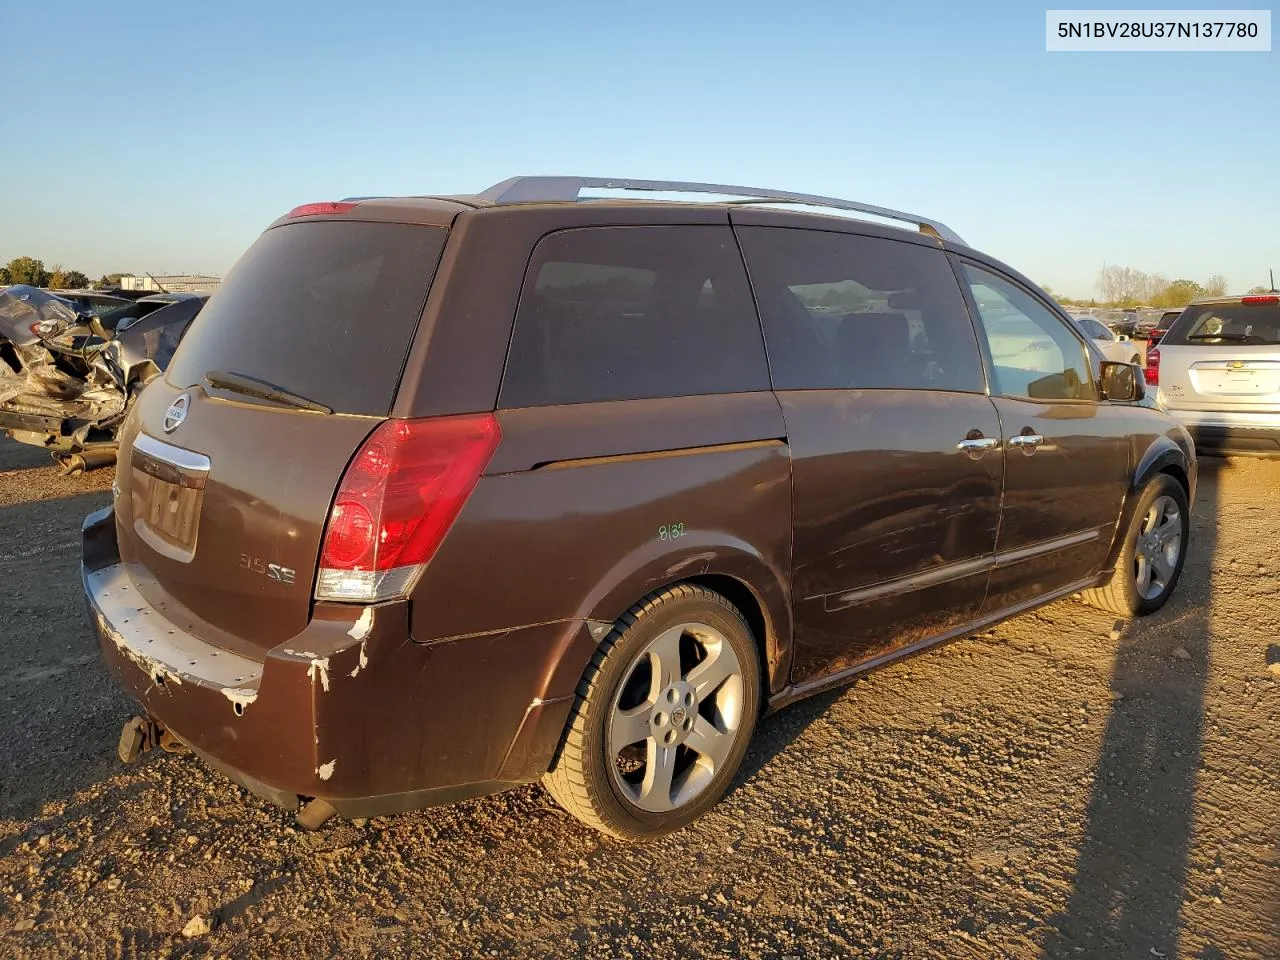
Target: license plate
166, 512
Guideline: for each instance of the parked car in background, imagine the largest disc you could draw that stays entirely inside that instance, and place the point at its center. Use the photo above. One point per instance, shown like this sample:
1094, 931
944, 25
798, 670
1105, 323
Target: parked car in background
1118, 348
91, 301
1218, 372
1161, 326
1122, 323
441, 495
123, 318
67, 377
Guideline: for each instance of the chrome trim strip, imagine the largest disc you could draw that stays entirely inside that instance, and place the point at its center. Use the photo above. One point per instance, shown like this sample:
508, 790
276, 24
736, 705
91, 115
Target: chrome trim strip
186, 460
1010, 557
954, 571
916, 581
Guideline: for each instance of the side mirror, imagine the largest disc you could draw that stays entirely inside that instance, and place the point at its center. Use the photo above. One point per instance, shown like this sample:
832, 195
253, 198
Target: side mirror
1122, 382
1123, 338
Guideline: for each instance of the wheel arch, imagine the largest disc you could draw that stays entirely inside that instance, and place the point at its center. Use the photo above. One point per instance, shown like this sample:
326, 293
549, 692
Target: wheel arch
1162, 456
730, 567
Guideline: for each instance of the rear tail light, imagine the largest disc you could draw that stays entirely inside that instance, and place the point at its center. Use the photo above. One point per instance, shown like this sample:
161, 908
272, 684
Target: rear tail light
1262, 299
1151, 372
397, 500
318, 209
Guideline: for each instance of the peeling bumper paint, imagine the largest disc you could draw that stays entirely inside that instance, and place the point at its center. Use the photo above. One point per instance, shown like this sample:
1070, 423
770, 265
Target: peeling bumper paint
348, 710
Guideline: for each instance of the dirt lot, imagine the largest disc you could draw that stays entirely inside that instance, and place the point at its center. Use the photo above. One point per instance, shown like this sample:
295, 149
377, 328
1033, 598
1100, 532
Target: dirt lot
1052, 788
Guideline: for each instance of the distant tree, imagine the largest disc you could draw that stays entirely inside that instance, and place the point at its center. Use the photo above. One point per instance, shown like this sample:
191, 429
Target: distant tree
27, 270
1153, 285
61, 279
4, 277
1179, 293
1216, 286
1123, 286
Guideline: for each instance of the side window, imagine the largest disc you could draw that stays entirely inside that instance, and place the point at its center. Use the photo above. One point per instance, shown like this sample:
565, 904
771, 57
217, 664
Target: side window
629, 313
848, 311
1033, 353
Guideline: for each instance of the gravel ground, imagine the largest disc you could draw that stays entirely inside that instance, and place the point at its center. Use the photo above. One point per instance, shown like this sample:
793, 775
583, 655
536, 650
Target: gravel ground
1061, 786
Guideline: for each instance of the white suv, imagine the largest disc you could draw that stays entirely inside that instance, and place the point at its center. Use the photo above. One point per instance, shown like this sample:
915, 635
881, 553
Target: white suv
1218, 370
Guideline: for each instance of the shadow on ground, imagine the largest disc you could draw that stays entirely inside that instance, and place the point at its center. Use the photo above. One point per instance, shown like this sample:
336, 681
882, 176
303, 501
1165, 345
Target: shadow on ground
60, 712
1131, 876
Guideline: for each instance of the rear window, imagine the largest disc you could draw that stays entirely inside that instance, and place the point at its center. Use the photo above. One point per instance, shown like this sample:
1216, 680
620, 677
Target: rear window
326, 309
631, 313
1227, 324
1092, 328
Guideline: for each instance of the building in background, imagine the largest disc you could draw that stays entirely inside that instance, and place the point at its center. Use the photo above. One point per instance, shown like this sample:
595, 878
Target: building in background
178, 283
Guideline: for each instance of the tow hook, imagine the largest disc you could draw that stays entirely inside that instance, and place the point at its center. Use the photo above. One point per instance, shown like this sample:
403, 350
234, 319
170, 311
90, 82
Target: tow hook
314, 814
141, 734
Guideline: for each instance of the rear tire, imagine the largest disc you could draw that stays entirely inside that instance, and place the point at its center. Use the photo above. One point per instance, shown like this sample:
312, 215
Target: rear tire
663, 716
1153, 553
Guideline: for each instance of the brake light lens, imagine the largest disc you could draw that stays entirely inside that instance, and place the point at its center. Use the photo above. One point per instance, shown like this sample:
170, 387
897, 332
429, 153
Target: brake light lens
1151, 372
1261, 299
317, 209
397, 500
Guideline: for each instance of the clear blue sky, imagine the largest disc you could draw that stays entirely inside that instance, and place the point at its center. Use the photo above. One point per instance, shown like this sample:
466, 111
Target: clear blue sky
164, 136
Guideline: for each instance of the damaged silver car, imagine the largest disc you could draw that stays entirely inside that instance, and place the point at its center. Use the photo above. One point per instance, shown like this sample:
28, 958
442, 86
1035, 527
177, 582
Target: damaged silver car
68, 375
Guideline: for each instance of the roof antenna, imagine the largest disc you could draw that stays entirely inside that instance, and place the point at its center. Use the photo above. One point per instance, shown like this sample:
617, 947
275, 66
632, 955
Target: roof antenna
158, 284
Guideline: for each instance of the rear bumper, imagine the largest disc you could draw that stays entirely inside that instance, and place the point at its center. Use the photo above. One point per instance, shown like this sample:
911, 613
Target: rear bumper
1228, 433
349, 710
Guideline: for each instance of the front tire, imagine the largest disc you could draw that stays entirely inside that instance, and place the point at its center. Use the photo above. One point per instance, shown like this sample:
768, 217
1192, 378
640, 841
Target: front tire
1153, 554
663, 716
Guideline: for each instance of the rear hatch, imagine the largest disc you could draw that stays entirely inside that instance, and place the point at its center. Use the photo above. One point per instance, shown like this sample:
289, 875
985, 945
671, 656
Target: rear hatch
229, 464
1223, 356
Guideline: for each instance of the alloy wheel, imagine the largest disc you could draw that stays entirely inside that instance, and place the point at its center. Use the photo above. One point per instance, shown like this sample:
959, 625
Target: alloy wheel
1159, 548
676, 717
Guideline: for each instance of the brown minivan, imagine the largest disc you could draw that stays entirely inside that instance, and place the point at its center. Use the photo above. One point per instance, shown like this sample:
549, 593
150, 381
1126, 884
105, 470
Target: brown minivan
442, 495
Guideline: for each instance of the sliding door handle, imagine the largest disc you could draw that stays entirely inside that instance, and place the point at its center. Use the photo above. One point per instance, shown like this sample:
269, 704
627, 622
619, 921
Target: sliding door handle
975, 447
1028, 441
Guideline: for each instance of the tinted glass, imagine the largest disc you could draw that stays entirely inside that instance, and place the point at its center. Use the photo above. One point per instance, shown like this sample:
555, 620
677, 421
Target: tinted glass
326, 309
628, 313
1227, 324
1092, 328
846, 311
1033, 352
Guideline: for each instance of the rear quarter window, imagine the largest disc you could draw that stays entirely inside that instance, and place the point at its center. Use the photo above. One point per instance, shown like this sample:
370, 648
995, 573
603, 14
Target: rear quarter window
326, 309
631, 313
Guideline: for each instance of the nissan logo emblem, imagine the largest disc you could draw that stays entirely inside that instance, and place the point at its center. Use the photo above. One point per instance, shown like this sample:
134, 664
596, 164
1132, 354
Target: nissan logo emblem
176, 413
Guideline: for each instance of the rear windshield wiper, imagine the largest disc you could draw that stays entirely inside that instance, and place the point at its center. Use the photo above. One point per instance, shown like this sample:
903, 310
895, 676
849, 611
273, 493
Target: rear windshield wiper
253, 387
1234, 337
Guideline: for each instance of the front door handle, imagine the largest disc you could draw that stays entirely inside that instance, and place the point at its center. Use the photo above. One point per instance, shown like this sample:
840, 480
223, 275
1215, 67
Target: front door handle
975, 447
1028, 441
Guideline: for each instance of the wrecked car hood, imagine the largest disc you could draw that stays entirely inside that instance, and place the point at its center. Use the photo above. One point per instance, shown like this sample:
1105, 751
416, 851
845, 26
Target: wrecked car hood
65, 382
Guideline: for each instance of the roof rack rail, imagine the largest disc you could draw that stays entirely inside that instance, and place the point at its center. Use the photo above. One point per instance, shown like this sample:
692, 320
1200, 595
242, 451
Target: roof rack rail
561, 189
